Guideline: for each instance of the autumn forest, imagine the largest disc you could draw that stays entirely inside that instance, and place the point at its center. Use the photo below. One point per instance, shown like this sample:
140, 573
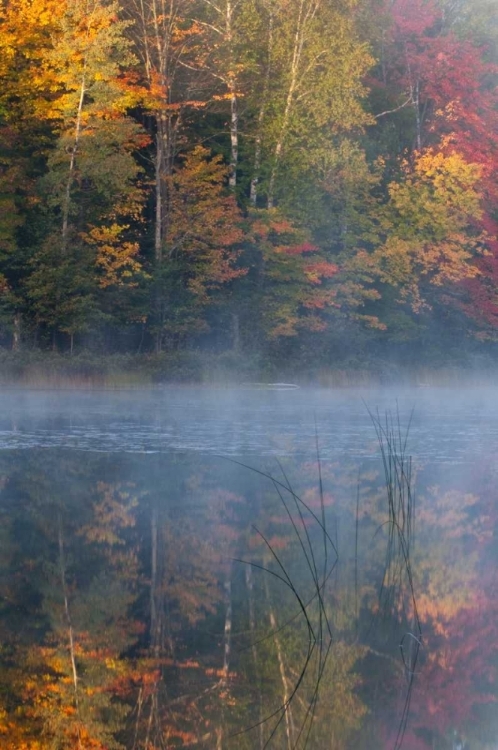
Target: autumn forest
298, 179
264, 188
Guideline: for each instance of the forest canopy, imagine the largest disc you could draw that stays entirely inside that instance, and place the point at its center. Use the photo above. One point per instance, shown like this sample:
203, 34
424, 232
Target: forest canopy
288, 177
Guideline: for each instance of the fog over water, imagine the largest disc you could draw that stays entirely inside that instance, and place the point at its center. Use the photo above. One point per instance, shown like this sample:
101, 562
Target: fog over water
448, 425
122, 516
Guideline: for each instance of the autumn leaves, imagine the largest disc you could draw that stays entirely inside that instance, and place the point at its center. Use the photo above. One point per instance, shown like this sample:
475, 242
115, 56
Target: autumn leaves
166, 166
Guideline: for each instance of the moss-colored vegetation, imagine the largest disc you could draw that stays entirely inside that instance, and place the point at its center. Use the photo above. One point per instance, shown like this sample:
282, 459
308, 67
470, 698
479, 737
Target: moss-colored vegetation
39, 369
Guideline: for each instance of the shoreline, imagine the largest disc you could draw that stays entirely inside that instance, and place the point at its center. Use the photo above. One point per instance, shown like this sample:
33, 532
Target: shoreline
37, 370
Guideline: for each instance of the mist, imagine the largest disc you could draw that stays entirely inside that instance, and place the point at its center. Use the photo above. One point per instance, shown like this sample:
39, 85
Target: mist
248, 374
250, 567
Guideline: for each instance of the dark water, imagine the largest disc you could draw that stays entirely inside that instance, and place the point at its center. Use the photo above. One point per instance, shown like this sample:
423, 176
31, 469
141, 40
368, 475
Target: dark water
159, 589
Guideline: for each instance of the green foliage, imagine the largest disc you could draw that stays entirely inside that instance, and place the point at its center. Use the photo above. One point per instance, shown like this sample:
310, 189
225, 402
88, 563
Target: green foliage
142, 146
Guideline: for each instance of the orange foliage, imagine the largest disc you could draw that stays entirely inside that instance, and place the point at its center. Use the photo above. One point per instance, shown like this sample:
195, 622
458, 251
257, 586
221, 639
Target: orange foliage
429, 226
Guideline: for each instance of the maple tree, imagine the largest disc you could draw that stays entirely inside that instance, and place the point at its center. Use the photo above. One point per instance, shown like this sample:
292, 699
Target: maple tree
25, 40
287, 276
92, 175
168, 42
435, 87
429, 221
70, 61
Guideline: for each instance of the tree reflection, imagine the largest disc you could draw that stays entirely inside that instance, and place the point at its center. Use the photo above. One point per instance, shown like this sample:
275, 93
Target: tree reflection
160, 602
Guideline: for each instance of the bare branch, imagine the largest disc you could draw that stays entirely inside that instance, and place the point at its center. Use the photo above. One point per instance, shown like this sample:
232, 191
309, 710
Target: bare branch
396, 109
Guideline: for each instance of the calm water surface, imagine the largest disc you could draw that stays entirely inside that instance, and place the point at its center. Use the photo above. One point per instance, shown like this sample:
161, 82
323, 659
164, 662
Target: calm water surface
155, 592
448, 425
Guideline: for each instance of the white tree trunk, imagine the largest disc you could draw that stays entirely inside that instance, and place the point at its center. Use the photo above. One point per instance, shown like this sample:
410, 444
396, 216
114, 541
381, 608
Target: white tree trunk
234, 105
305, 14
72, 165
253, 194
70, 631
286, 690
252, 628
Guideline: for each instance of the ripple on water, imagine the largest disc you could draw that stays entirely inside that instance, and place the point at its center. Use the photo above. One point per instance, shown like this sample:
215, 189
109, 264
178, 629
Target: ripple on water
448, 426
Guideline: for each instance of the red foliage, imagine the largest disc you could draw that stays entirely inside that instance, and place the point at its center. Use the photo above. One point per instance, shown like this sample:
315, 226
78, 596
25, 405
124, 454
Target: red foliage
450, 77
319, 270
457, 671
305, 247
450, 82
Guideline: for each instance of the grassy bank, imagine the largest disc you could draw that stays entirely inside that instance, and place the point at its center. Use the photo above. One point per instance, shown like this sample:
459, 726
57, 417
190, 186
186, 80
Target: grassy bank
39, 369
42, 369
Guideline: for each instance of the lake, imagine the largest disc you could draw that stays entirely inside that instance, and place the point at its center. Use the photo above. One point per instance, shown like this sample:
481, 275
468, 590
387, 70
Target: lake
249, 568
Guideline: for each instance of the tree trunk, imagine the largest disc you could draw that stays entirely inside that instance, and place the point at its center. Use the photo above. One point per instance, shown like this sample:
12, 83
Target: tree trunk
234, 138
253, 194
154, 615
16, 332
158, 227
159, 223
304, 15
286, 691
234, 106
72, 166
235, 332
418, 120
153, 728
228, 626
70, 632
226, 653
252, 628
415, 101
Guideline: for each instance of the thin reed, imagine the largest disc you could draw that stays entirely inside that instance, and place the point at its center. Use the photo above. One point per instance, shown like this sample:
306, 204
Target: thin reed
396, 596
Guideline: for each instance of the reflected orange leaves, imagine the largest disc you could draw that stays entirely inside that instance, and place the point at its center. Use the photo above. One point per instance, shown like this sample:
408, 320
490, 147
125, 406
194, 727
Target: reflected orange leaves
276, 542
458, 515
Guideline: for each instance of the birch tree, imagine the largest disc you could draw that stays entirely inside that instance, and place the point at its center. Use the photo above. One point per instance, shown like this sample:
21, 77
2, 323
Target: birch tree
221, 21
315, 82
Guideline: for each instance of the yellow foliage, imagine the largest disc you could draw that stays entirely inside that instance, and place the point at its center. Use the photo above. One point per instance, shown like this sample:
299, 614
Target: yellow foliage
117, 259
429, 226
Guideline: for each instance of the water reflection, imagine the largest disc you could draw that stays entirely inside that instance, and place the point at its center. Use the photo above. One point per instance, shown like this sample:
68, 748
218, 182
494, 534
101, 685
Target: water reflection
171, 600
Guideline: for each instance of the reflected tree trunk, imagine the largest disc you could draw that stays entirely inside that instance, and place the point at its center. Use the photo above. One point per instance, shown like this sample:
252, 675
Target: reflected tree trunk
286, 688
227, 643
153, 583
252, 628
155, 635
70, 631
235, 332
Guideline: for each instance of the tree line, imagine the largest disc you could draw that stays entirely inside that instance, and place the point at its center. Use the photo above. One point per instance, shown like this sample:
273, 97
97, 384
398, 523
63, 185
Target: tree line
285, 176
